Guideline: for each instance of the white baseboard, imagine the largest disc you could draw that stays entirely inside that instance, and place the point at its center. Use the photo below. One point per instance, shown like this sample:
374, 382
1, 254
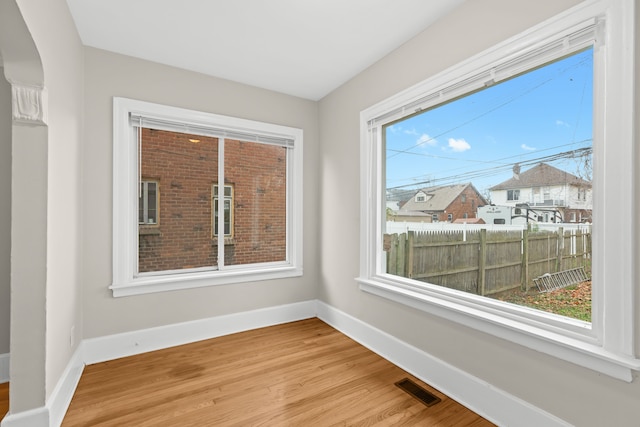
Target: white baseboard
53, 413
130, 343
4, 368
127, 344
60, 398
38, 417
481, 397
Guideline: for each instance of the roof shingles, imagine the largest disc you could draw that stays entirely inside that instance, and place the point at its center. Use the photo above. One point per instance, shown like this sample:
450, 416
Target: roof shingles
541, 175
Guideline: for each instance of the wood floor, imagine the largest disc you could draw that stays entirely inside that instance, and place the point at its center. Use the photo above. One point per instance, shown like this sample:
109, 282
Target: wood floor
298, 374
4, 399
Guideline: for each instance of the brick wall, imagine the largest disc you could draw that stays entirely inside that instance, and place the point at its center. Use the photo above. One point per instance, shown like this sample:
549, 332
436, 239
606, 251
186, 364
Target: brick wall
458, 208
186, 172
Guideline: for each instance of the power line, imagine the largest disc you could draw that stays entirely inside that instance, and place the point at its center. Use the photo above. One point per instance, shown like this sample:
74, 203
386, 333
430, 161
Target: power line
483, 173
495, 108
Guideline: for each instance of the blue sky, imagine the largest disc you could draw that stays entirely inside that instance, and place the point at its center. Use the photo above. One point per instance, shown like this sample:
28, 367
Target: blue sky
479, 138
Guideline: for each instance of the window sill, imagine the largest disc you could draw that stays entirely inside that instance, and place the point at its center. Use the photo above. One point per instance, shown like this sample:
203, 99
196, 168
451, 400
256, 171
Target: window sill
149, 230
228, 241
582, 351
148, 284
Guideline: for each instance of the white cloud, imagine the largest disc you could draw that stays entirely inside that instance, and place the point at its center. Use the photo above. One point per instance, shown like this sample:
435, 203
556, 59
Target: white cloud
425, 140
411, 131
459, 145
527, 148
561, 123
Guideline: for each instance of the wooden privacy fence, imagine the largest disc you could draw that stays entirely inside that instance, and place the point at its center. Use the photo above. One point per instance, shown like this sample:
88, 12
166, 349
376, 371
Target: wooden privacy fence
483, 262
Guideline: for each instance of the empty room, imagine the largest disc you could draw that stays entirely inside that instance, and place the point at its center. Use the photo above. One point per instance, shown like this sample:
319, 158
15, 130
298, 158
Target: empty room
357, 212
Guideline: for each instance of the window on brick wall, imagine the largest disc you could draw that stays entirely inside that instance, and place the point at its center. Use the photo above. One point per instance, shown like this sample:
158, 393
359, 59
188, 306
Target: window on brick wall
227, 210
190, 153
148, 203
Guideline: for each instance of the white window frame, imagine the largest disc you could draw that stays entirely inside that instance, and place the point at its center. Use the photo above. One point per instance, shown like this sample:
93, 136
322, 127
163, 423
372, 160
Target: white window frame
126, 279
215, 198
144, 191
605, 345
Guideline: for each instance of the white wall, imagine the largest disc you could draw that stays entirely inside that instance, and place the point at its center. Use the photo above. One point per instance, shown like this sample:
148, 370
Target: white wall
5, 211
60, 50
637, 138
108, 75
577, 395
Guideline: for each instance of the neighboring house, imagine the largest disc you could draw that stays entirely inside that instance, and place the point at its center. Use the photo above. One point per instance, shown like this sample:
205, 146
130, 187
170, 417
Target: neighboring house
445, 203
178, 223
409, 216
547, 193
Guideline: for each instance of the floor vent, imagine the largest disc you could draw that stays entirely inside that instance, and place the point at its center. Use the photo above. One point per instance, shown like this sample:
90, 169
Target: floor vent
418, 392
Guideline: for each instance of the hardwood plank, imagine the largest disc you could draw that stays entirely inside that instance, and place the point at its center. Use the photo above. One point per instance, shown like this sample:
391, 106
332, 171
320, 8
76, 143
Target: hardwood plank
4, 399
298, 374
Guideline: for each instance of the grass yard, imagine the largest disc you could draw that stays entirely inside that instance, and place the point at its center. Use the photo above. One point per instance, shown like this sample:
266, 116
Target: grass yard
572, 301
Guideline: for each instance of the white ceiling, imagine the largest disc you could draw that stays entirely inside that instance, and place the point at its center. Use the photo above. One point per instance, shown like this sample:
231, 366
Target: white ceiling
305, 48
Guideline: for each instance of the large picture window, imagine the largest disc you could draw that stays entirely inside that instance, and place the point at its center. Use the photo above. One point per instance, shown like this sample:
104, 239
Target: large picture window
497, 129
190, 153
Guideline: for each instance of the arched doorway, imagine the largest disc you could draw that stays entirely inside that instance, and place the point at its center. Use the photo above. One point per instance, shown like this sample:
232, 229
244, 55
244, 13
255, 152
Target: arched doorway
23, 72
5, 235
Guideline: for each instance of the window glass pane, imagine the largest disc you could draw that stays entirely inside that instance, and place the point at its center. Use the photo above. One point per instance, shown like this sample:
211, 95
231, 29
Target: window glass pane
521, 152
258, 217
152, 200
141, 219
186, 165
227, 217
228, 204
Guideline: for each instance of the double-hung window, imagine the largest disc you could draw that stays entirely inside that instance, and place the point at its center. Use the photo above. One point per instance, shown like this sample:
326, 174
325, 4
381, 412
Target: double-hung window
258, 209
592, 42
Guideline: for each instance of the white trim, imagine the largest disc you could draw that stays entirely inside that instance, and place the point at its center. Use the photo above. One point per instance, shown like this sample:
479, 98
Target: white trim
136, 342
60, 398
126, 280
38, 417
53, 412
585, 354
110, 347
28, 103
4, 367
607, 345
481, 397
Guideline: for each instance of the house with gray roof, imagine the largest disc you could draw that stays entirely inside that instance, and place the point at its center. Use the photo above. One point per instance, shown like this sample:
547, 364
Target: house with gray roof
554, 193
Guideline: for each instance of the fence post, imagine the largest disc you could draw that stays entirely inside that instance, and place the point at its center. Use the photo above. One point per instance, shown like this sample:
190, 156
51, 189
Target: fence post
524, 275
392, 256
482, 259
560, 249
409, 265
401, 248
